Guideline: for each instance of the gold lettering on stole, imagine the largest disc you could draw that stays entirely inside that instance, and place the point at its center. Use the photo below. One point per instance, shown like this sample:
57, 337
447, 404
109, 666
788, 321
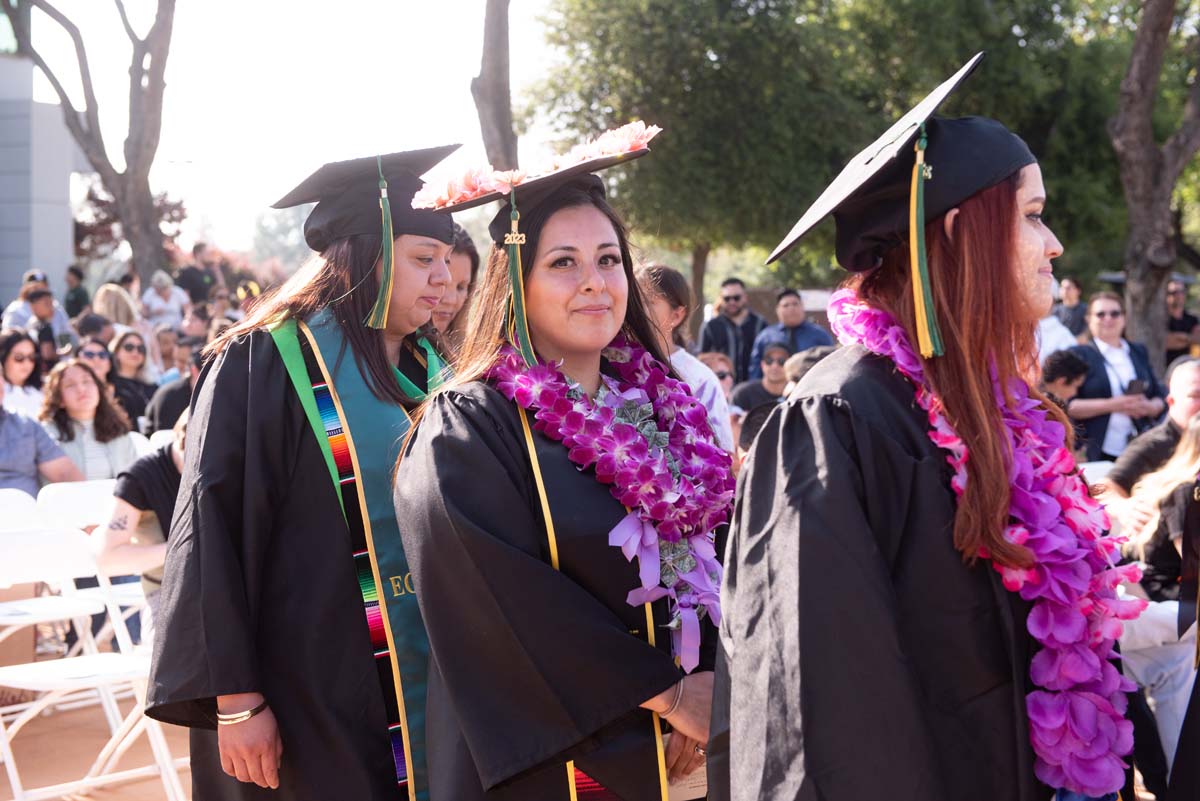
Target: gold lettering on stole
401, 585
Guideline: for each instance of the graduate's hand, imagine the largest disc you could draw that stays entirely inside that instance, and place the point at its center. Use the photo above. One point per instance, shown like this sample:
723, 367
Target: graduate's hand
251, 751
682, 758
694, 712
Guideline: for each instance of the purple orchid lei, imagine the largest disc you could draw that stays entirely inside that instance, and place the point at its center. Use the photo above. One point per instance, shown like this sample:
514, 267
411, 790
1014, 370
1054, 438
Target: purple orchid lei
1076, 716
647, 437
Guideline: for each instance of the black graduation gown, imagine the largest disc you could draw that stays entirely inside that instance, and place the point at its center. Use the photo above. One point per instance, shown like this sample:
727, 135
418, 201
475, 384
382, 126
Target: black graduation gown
260, 594
530, 667
860, 658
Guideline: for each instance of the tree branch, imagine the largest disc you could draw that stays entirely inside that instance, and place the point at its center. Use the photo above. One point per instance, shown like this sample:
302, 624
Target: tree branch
146, 88
133, 37
1183, 144
1131, 130
88, 140
91, 110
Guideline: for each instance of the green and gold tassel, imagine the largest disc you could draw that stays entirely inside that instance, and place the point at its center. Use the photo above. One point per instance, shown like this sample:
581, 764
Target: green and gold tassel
929, 336
518, 324
379, 312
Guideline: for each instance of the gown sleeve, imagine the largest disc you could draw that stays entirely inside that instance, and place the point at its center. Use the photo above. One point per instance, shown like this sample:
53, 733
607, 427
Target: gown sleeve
811, 675
236, 461
532, 663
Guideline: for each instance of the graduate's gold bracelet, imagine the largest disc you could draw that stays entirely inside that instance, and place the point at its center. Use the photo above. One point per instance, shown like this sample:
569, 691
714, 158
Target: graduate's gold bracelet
239, 717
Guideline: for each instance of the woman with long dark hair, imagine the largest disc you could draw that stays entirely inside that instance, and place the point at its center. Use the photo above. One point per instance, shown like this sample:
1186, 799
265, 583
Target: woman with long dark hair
286, 624
79, 414
450, 316
919, 599
21, 371
564, 450
130, 375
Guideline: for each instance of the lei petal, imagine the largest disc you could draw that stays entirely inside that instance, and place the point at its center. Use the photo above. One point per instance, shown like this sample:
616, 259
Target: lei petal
1076, 716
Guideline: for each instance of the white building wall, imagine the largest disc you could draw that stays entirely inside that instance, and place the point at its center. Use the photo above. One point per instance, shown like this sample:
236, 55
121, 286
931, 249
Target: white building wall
37, 157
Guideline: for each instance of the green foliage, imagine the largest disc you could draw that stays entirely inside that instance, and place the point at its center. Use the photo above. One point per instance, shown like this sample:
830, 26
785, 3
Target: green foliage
763, 101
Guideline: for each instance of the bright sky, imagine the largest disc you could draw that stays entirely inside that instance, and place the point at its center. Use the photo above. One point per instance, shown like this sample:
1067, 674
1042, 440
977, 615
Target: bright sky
262, 92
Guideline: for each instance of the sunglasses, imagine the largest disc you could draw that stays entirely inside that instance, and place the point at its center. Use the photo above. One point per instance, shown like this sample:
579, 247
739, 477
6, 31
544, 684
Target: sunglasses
221, 297
780, 361
21, 358
723, 374
1175, 292
94, 354
1113, 314
129, 347
733, 298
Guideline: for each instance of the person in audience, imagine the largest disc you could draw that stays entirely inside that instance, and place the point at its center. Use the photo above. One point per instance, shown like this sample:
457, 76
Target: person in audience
47, 348
130, 282
1063, 373
171, 399
21, 371
80, 416
28, 454
670, 305
733, 329
96, 327
219, 306
95, 354
1158, 649
769, 388
798, 364
131, 377
449, 318
1053, 336
165, 338
722, 367
1183, 328
792, 330
196, 322
19, 314
134, 540
204, 273
1070, 310
115, 304
1120, 396
1151, 450
164, 302
76, 300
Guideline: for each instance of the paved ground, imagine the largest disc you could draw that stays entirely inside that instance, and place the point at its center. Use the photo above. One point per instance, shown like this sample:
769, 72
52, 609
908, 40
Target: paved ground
62, 746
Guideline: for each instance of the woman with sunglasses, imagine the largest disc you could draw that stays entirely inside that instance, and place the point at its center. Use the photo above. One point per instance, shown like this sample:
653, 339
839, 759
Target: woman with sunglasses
1120, 396
21, 372
131, 380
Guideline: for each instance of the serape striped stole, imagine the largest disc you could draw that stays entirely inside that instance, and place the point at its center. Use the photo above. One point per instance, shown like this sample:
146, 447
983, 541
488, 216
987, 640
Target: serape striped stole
360, 437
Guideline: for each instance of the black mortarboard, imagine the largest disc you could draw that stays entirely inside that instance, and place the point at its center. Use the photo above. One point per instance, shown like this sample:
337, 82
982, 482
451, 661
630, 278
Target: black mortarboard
523, 194
356, 197
347, 197
880, 191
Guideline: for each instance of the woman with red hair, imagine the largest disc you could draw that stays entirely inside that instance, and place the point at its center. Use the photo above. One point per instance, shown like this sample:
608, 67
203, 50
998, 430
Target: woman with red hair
919, 600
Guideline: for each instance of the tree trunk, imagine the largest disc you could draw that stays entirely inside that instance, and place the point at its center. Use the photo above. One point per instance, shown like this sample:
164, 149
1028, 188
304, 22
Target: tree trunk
699, 268
490, 89
141, 227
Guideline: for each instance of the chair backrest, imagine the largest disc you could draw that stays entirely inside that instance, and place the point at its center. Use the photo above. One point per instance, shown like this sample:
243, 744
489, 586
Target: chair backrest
77, 504
160, 438
58, 556
18, 510
141, 445
52, 555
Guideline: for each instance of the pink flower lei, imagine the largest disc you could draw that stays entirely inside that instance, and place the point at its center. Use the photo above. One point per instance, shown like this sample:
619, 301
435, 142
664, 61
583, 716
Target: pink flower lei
1076, 716
647, 437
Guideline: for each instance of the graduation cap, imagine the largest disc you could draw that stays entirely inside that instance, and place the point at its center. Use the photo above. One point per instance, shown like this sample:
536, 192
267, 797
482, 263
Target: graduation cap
525, 192
352, 197
922, 167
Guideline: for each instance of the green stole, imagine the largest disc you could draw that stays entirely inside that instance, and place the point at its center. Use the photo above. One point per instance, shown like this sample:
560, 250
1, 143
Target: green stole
360, 437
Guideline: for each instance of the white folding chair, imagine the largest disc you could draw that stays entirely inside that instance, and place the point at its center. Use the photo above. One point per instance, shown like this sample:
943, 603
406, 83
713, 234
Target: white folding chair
58, 557
77, 504
160, 438
141, 445
18, 510
82, 505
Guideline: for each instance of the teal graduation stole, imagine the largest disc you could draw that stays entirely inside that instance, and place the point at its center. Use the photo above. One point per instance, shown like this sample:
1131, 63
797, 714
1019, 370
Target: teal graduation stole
360, 437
